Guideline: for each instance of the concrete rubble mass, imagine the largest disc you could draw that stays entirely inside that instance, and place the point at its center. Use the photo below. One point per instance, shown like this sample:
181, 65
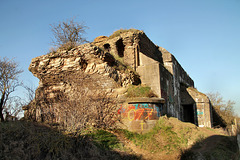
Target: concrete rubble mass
110, 65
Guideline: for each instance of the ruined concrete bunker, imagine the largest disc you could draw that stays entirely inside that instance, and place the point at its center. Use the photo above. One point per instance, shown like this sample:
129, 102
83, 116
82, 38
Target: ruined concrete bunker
149, 65
160, 70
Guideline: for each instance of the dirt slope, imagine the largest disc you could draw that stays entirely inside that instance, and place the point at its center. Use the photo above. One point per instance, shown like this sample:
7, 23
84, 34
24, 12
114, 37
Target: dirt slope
171, 139
174, 139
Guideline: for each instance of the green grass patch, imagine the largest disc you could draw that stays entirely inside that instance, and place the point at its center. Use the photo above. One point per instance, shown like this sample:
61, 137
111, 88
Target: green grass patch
160, 138
185, 135
105, 140
139, 91
210, 129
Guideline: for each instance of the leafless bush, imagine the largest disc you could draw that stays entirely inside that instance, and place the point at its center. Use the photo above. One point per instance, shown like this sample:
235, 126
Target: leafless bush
77, 108
9, 72
223, 109
13, 107
68, 34
84, 110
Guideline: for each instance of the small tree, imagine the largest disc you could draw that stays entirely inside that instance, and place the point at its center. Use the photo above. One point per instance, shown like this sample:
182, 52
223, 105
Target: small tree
224, 109
9, 72
13, 107
68, 34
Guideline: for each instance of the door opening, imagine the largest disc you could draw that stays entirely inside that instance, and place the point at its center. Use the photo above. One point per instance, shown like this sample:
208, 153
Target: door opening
188, 113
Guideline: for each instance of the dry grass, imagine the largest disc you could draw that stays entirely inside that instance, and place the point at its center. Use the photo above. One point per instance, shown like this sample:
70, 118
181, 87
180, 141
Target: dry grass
29, 140
120, 31
168, 140
140, 91
178, 140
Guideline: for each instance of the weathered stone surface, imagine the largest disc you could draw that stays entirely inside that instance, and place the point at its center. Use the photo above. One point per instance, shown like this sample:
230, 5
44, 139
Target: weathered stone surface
160, 70
100, 38
111, 63
86, 66
203, 107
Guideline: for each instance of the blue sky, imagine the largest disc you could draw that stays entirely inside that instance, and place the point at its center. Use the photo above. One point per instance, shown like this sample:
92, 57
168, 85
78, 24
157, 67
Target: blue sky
203, 35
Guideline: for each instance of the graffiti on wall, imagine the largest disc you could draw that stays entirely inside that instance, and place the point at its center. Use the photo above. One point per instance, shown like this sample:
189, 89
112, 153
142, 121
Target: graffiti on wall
140, 111
200, 114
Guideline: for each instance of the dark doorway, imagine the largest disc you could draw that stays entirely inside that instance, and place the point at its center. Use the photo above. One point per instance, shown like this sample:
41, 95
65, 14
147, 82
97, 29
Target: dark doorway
120, 47
107, 47
188, 113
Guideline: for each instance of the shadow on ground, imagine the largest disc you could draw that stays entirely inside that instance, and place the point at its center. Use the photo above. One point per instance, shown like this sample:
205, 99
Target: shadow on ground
215, 147
28, 140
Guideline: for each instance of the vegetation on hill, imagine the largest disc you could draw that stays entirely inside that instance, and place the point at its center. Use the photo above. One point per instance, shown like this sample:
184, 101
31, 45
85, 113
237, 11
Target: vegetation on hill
170, 139
120, 31
139, 91
9, 81
68, 34
173, 139
40, 141
223, 111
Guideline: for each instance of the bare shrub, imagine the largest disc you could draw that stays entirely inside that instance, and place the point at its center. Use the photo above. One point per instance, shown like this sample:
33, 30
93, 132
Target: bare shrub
68, 34
84, 109
13, 107
9, 72
82, 104
223, 109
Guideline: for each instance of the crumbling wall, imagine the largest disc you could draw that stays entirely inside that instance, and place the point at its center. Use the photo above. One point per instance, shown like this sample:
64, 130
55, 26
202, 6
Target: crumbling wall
134, 47
110, 63
86, 69
123, 46
158, 69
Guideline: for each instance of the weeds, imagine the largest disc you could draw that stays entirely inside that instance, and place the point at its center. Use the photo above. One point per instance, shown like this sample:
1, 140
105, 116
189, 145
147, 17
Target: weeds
160, 138
68, 46
39, 141
139, 91
184, 135
120, 31
52, 50
199, 141
105, 140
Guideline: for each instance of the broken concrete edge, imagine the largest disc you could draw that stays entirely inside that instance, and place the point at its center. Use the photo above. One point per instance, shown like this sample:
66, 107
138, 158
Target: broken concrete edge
195, 94
142, 100
124, 31
154, 66
195, 90
116, 33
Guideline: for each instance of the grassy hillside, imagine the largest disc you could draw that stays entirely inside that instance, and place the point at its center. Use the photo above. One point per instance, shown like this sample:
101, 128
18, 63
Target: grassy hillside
173, 139
27, 140
170, 139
